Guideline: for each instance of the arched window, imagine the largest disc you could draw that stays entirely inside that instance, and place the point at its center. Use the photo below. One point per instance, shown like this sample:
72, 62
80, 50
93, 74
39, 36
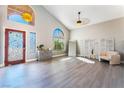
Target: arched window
21, 13
58, 39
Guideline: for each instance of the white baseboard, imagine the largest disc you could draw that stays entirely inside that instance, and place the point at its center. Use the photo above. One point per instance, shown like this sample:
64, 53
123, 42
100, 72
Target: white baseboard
30, 60
122, 61
1, 65
59, 55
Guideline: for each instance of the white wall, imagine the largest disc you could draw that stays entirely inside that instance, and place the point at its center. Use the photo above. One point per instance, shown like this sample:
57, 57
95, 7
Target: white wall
113, 28
44, 26
1, 15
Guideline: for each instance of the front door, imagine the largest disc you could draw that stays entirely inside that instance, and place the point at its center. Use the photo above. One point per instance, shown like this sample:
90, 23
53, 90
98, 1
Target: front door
14, 47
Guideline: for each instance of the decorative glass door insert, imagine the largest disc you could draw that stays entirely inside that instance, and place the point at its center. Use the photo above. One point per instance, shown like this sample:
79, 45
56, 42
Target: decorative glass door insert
32, 46
15, 47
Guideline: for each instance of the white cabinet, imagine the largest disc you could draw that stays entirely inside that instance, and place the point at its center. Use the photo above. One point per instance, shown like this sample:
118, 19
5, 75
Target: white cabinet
44, 55
72, 48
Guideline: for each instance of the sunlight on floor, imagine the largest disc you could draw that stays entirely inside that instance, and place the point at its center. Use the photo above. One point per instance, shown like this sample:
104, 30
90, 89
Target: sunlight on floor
86, 60
65, 59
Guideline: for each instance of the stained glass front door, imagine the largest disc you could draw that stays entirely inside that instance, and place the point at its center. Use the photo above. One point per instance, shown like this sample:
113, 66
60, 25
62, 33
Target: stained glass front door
14, 47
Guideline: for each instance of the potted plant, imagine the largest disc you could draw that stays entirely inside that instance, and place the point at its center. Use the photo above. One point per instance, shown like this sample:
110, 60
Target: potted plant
40, 47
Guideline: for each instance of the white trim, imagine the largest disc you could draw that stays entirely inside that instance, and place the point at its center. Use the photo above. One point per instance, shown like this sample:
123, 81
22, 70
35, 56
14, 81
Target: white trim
122, 61
30, 60
1, 65
59, 55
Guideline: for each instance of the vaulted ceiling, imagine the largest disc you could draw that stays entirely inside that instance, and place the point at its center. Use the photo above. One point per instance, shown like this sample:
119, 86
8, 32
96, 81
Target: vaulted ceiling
67, 14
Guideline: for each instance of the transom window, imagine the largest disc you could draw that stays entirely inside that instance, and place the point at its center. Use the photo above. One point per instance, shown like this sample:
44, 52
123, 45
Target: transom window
21, 13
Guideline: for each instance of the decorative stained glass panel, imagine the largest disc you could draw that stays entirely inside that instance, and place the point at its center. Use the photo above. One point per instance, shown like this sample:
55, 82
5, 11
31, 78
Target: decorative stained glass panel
15, 46
58, 39
21, 14
17, 18
58, 33
32, 47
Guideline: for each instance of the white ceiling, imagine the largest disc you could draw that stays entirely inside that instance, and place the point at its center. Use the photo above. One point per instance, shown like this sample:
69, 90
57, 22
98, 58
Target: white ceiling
67, 14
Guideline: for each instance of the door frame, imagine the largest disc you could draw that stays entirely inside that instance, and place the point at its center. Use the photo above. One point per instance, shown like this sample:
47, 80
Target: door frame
6, 47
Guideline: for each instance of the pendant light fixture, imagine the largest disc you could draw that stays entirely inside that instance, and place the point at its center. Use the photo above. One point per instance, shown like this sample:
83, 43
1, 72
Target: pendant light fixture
82, 22
79, 21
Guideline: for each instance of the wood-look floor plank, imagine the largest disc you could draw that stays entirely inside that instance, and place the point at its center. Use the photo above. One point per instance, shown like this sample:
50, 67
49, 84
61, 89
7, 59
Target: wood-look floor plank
62, 72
